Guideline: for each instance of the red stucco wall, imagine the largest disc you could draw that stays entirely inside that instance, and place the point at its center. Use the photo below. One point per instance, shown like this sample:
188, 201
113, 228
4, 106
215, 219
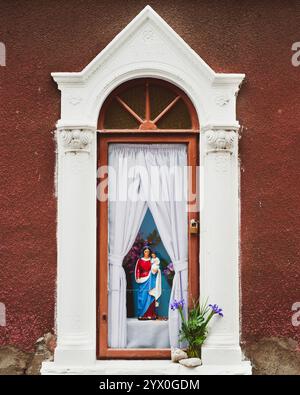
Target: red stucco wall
254, 37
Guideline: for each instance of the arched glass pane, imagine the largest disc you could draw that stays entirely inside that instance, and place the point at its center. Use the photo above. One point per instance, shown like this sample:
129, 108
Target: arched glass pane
177, 118
146, 104
117, 117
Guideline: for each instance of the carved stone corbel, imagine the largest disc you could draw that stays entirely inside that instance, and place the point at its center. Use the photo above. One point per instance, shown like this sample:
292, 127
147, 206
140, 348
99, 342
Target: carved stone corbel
220, 140
75, 140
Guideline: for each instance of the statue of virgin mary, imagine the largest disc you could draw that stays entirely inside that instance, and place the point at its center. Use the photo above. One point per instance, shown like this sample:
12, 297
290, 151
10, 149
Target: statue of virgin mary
148, 278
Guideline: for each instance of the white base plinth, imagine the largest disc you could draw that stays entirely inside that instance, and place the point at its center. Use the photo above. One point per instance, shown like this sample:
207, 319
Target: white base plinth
147, 334
141, 367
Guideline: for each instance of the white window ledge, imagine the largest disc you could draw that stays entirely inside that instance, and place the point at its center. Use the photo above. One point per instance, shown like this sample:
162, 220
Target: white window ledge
140, 367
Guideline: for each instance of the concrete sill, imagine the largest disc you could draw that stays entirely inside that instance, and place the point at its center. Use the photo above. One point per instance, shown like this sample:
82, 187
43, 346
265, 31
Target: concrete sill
141, 367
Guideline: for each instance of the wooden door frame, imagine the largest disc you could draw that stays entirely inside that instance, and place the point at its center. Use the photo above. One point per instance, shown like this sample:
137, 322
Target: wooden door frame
191, 139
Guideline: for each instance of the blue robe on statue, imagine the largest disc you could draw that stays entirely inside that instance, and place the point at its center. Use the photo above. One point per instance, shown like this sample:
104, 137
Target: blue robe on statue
149, 287
144, 298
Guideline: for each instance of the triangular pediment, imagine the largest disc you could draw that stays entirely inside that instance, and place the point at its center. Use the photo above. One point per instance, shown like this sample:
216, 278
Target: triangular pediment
147, 37
147, 46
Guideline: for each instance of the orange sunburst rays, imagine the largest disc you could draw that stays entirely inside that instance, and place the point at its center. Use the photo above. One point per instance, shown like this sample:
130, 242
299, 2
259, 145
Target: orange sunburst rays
147, 123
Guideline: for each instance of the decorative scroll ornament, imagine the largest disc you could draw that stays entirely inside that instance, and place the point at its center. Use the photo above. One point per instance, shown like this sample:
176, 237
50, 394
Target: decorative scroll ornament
220, 140
148, 34
222, 100
76, 140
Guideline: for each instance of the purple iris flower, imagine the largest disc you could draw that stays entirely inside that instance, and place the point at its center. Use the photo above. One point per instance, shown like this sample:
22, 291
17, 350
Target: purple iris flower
216, 309
177, 304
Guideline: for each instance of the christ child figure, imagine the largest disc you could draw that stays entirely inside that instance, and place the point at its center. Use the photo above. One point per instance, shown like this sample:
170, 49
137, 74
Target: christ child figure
155, 268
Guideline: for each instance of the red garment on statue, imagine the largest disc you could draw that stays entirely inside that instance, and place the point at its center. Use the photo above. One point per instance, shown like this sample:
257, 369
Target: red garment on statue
143, 268
151, 311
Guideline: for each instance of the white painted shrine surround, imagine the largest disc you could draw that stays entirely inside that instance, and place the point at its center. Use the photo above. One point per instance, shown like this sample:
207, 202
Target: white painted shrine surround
147, 47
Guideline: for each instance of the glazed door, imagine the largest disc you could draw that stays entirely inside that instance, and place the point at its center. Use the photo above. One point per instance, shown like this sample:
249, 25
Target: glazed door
146, 121
190, 143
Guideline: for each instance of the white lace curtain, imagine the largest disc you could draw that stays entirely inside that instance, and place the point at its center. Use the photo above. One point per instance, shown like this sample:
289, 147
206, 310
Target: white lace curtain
142, 176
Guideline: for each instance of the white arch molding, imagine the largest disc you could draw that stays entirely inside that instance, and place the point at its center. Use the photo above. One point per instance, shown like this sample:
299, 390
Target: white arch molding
147, 47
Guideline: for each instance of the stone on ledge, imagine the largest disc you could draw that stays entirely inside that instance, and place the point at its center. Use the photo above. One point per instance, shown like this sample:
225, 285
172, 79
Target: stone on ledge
177, 354
190, 362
